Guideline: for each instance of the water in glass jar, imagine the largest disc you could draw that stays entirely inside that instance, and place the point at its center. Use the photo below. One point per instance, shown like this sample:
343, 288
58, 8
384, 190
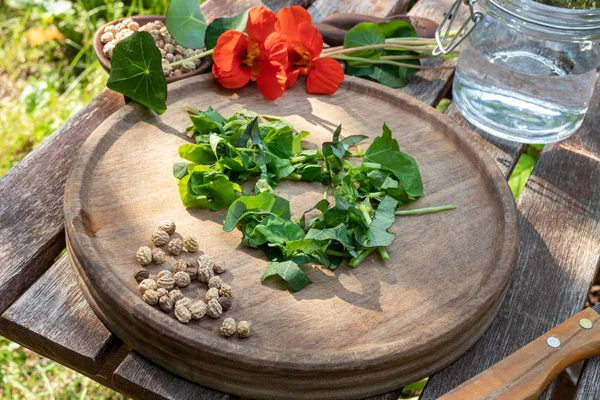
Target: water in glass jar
528, 94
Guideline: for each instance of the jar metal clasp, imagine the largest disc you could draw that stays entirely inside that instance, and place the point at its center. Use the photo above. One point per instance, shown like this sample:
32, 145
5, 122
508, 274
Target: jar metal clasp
446, 42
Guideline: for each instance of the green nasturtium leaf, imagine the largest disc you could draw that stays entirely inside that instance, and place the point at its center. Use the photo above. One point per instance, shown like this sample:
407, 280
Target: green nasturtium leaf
389, 75
265, 202
385, 151
222, 25
289, 271
136, 71
186, 23
180, 169
398, 29
377, 231
364, 34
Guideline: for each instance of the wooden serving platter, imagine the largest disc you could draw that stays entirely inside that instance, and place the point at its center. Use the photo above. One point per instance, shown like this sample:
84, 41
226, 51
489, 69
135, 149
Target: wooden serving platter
353, 332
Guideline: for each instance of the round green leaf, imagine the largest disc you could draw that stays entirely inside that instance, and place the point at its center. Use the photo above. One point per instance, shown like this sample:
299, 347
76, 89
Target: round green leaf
364, 34
136, 71
186, 23
222, 25
398, 29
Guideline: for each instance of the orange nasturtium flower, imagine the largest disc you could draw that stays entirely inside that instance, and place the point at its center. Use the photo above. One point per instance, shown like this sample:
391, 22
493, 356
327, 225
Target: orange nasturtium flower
260, 57
305, 45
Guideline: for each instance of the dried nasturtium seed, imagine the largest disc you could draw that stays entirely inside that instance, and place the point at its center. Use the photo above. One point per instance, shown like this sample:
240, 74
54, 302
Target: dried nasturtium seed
214, 309
191, 244
165, 273
166, 282
244, 329
175, 295
186, 301
219, 267
158, 256
225, 303
167, 226
165, 303
182, 313
225, 291
215, 282
212, 293
150, 297
227, 328
205, 261
192, 272
162, 292
144, 255
147, 284
180, 265
175, 246
160, 238
198, 309
182, 279
140, 274
204, 274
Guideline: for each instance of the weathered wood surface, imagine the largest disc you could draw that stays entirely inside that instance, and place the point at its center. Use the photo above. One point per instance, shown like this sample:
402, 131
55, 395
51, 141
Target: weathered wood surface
588, 386
31, 199
53, 318
526, 373
142, 379
558, 257
504, 153
304, 341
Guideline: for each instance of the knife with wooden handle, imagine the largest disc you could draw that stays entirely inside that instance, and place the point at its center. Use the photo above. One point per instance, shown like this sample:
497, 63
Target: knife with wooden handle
526, 373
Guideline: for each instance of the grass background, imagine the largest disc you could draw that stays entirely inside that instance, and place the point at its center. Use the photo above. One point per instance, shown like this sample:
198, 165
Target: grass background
41, 87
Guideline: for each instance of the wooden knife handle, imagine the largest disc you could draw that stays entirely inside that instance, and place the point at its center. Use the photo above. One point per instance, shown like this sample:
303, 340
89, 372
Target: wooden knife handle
526, 373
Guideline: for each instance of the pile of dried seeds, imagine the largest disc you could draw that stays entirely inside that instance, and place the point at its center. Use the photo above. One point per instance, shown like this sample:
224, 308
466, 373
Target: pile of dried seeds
163, 289
169, 49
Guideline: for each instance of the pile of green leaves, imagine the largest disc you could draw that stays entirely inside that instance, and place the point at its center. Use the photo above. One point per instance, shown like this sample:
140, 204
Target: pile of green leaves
368, 33
229, 151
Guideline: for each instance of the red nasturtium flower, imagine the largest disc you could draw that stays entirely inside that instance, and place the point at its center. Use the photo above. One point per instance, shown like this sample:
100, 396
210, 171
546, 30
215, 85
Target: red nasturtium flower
305, 44
260, 57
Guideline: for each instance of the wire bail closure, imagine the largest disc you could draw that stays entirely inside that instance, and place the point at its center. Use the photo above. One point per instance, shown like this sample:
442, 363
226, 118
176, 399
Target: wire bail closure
445, 42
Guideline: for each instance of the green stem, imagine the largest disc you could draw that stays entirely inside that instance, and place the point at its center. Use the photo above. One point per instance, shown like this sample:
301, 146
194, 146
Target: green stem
333, 51
190, 109
363, 209
406, 57
326, 193
361, 257
192, 58
399, 64
376, 194
383, 253
425, 210
293, 177
338, 253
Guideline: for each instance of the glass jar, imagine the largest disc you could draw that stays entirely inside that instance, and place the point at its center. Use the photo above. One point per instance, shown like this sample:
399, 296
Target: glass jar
527, 70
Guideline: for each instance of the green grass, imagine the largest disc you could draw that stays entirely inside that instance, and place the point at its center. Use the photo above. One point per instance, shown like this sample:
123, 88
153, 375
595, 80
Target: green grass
41, 87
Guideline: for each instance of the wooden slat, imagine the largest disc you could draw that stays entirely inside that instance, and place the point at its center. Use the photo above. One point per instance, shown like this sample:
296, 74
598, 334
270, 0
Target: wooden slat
504, 153
31, 212
588, 386
142, 379
558, 257
53, 318
380, 8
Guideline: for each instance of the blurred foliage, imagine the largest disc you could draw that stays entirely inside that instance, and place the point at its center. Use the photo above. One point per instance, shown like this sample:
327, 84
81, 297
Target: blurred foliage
26, 375
42, 86
48, 71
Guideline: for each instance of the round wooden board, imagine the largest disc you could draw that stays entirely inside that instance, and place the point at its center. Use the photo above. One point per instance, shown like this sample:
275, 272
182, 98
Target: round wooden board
353, 332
